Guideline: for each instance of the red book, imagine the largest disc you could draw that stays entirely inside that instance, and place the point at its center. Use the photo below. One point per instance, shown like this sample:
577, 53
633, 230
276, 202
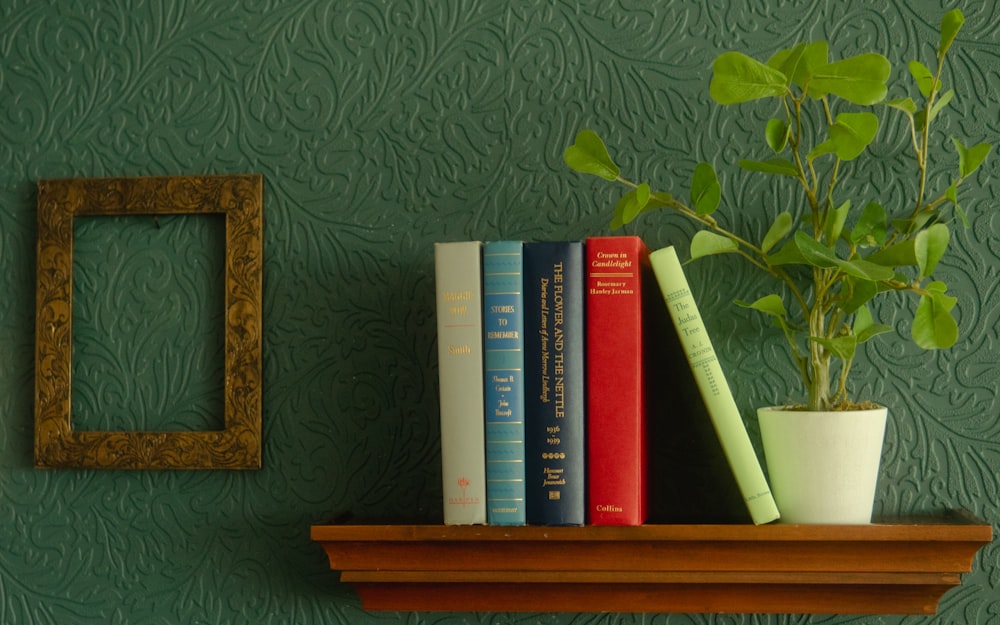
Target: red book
616, 408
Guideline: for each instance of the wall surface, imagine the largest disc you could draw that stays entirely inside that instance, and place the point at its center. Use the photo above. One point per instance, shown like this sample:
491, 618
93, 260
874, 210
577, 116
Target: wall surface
381, 127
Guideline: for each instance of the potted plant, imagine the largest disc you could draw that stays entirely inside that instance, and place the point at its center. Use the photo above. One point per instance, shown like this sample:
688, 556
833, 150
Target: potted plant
831, 256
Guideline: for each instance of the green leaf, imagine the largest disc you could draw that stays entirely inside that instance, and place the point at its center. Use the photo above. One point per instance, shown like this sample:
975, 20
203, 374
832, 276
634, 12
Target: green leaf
872, 331
827, 147
871, 227
842, 347
769, 304
789, 254
951, 23
849, 136
637, 202
933, 326
860, 293
642, 197
909, 226
970, 159
852, 133
859, 79
632, 203
588, 155
642, 194
738, 78
818, 255
898, 255
779, 230
662, 197
777, 166
941, 102
862, 319
929, 246
907, 105
798, 63
860, 268
787, 61
705, 189
923, 77
815, 253
835, 220
865, 327
951, 193
705, 243
776, 135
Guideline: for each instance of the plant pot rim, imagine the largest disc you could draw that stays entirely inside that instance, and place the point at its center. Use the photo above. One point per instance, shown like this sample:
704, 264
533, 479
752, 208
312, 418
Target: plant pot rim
799, 408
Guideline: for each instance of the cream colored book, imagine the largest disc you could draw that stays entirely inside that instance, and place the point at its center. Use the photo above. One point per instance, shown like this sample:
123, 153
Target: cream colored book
458, 287
713, 387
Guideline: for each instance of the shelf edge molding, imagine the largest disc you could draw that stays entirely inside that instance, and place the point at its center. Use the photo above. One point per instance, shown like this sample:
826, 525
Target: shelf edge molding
901, 566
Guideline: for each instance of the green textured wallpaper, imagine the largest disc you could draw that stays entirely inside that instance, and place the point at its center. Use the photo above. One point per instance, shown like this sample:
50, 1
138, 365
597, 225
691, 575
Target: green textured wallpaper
381, 127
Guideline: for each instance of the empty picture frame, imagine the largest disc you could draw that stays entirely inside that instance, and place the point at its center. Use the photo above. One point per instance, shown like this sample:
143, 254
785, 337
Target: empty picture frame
238, 444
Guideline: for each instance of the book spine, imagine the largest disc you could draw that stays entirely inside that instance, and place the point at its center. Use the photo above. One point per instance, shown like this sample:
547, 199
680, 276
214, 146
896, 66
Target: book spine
458, 286
616, 418
712, 384
503, 344
554, 382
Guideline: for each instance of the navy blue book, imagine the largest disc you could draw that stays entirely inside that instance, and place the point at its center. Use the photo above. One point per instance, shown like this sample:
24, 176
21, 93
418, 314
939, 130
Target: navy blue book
554, 382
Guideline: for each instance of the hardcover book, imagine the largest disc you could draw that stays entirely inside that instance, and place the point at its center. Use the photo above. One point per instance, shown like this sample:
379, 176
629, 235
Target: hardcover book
554, 382
716, 397
618, 274
459, 306
503, 344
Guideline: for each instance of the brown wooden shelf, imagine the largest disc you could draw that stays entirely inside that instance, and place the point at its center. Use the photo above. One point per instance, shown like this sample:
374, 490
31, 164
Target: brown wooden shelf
890, 567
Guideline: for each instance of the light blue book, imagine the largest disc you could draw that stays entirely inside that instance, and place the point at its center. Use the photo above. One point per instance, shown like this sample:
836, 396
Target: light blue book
503, 355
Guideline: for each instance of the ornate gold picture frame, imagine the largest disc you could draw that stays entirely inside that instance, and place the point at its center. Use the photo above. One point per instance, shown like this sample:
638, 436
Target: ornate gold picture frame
238, 444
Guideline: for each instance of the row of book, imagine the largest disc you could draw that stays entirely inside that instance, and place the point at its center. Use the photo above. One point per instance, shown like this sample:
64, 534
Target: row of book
578, 385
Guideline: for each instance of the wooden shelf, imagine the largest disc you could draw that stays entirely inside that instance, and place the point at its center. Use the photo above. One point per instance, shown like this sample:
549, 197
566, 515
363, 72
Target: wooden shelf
890, 567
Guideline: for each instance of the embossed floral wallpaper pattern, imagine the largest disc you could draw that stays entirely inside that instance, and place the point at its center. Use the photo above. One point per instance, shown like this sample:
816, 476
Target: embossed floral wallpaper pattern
381, 127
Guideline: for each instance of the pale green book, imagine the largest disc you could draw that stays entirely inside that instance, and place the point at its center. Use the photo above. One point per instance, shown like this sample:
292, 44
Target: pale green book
713, 387
459, 302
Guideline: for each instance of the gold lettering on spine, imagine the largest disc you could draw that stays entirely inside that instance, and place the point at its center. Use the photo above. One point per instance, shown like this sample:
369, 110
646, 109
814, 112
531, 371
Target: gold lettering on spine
458, 308
558, 342
543, 337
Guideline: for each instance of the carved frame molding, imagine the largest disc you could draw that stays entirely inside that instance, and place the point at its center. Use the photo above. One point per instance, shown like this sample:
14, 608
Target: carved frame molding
238, 445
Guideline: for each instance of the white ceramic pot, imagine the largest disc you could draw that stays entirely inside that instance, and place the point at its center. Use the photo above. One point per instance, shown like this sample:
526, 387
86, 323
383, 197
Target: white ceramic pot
823, 466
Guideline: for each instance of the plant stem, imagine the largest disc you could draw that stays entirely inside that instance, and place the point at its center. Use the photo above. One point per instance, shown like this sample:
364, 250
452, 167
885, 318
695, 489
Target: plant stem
819, 358
926, 139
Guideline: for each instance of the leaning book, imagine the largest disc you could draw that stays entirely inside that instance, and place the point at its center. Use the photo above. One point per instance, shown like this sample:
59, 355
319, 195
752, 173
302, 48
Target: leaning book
713, 387
458, 287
